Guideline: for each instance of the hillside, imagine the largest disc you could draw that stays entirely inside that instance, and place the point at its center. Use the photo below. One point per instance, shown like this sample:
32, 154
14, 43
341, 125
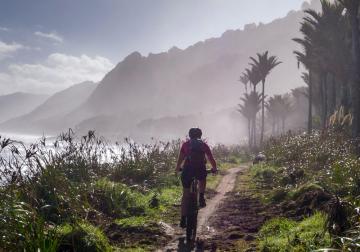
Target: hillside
47, 117
199, 79
17, 104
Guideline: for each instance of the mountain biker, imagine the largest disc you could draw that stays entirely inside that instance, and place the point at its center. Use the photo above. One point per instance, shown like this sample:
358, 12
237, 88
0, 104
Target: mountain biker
194, 153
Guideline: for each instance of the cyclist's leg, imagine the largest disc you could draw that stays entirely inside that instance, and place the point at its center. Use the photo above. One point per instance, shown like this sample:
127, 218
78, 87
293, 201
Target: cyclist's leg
186, 183
202, 186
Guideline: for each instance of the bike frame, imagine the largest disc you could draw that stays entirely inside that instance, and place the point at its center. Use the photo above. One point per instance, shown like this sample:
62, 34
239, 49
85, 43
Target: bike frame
192, 211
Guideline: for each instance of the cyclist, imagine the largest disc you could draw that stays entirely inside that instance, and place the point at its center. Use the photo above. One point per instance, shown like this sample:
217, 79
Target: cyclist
194, 153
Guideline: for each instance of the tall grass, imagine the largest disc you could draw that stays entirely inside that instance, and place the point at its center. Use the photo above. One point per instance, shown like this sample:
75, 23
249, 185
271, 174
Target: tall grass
325, 161
45, 185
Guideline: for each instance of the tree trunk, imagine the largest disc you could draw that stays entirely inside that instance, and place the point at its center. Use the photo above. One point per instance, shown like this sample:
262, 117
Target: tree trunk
333, 96
262, 113
283, 125
249, 131
355, 80
326, 108
323, 95
345, 97
310, 102
254, 131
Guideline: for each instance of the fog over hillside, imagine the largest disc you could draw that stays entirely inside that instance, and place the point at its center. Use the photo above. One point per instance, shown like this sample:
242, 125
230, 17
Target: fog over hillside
17, 104
141, 92
47, 115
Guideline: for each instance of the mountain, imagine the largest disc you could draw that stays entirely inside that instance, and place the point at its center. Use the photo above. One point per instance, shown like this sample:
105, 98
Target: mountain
48, 116
17, 104
199, 79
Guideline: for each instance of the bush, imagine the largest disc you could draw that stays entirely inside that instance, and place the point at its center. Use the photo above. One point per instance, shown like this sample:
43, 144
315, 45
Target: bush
147, 164
83, 237
118, 200
264, 173
308, 187
21, 229
327, 158
230, 154
284, 235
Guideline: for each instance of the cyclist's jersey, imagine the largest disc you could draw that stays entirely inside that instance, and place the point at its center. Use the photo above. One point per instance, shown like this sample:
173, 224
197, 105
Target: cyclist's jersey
186, 151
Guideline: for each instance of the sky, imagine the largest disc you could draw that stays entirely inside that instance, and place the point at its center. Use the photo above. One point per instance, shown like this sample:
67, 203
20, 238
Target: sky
48, 45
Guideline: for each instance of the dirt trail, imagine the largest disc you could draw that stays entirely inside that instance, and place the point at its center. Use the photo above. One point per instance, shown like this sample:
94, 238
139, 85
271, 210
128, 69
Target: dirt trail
205, 229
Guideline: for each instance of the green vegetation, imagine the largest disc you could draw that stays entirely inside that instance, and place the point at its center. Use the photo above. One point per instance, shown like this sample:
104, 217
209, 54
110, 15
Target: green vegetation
84, 194
83, 237
284, 235
310, 175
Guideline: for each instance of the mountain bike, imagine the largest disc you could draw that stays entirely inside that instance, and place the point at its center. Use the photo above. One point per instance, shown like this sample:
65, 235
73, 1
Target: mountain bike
193, 210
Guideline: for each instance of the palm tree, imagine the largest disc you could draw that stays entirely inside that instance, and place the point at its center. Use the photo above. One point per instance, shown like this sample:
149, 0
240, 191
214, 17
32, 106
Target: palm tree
264, 64
272, 111
253, 76
285, 109
323, 55
279, 108
306, 78
352, 8
249, 108
244, 80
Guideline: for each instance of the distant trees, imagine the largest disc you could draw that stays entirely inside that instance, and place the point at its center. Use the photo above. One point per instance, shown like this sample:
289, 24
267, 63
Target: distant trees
258, 71
249, 108
263, 65
330, 54
279, 108
253, 76
244, 79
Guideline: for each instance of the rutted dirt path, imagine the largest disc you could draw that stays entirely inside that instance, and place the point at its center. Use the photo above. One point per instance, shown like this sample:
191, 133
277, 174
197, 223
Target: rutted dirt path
205, 229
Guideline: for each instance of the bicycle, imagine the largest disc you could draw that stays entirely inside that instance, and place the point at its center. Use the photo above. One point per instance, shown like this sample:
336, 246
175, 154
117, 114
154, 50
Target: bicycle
193, 210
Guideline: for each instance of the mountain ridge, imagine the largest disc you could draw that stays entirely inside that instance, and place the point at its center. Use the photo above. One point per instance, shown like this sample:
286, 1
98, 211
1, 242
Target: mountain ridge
201, 78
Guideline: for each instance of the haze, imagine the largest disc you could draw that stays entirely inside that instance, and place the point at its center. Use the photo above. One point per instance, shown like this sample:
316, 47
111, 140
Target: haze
135, 68
98, 34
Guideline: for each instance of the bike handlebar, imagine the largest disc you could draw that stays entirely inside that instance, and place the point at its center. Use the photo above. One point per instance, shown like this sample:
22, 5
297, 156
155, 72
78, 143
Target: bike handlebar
207, 171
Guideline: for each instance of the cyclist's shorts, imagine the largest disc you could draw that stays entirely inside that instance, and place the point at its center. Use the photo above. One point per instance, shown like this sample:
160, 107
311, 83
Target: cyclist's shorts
188, 173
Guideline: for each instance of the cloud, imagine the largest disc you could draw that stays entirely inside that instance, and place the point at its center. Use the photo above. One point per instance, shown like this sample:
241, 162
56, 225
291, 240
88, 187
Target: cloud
59, 71
6, 50
4, 28
51, 36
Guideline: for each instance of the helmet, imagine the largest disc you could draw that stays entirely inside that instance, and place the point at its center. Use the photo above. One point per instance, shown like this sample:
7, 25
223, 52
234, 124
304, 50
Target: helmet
195, 133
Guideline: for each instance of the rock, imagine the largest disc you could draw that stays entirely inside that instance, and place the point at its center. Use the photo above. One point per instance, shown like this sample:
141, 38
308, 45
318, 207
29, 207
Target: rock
235, 236
249, 237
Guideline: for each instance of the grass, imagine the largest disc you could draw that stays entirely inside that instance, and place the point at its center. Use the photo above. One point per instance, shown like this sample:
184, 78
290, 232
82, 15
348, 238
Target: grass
83, 237
283, 235
127, 184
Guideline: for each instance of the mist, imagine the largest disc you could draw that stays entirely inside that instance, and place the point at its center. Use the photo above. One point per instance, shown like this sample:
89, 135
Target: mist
163, 94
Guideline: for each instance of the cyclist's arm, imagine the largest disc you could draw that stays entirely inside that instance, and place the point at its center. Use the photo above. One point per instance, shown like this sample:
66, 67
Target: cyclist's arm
181, 159
210, 157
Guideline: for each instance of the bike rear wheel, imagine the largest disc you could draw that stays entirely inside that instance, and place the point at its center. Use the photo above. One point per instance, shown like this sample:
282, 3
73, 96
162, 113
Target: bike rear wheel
191, 227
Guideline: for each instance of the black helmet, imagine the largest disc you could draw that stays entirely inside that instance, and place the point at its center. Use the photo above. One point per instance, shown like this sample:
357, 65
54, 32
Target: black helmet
195, 133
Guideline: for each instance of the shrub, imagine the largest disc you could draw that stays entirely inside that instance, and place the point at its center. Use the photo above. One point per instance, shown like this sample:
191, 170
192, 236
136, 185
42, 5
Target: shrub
264, 173
144, 164
230, 154
117, 199
22, 229
282, 234
83, 237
